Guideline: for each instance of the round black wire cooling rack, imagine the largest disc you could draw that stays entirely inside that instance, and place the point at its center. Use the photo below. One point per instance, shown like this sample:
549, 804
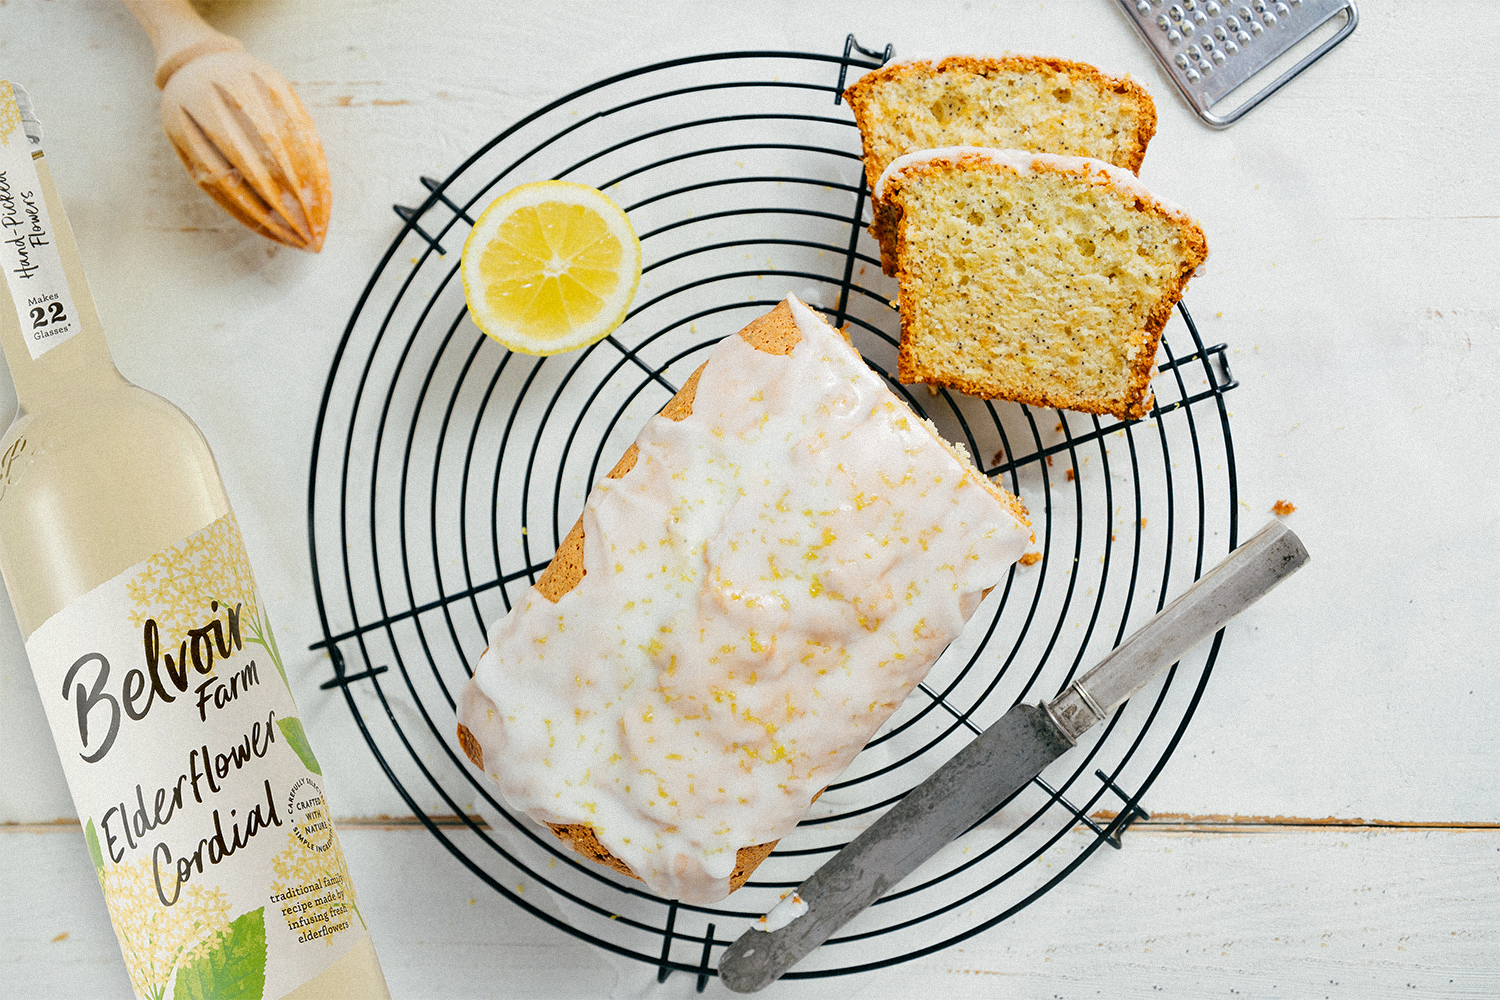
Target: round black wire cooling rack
445, 471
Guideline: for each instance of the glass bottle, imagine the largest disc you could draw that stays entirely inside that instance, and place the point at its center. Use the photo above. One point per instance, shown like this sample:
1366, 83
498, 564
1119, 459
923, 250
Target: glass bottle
201, 800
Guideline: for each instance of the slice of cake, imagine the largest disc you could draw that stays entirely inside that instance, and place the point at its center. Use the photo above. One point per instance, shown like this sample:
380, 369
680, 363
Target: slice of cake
1035, 278
767, 573
1014, 102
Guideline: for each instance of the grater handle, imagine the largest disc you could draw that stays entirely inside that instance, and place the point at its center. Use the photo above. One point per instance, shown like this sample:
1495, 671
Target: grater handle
1225, 121
1211, 49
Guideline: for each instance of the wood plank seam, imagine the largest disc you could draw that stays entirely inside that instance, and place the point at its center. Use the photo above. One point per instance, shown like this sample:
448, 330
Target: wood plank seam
1158, 823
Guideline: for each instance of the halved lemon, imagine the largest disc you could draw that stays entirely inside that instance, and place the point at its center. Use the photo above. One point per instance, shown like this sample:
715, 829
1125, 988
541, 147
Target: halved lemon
550, 267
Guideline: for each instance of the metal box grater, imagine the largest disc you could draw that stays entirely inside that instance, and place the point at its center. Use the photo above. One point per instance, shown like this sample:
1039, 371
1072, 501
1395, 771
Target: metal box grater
1210, 47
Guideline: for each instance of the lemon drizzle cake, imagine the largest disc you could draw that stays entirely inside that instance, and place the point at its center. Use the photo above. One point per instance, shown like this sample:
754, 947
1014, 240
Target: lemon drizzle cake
1033, 103
772, 575
1036, 278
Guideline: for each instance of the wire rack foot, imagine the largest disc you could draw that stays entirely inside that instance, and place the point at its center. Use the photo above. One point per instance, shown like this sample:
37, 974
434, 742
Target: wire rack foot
340, 677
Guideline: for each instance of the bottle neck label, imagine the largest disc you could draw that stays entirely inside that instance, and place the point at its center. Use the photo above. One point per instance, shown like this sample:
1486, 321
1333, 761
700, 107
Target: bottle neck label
28, 245
201, 801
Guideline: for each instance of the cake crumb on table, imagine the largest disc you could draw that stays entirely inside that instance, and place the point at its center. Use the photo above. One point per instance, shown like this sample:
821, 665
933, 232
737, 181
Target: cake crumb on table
1030, 559
1281, 508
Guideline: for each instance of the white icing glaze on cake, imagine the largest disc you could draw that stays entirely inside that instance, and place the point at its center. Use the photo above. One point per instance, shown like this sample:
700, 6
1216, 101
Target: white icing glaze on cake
764, 587
790, 908
1022, 162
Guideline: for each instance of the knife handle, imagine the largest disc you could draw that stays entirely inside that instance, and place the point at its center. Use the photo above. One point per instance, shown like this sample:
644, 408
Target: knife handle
1251, 570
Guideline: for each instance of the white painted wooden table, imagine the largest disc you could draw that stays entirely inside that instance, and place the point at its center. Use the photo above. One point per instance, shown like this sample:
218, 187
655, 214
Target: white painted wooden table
1328, 826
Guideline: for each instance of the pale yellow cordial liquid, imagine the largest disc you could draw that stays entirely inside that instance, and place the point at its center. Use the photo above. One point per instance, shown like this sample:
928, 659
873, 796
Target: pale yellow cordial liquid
96, 475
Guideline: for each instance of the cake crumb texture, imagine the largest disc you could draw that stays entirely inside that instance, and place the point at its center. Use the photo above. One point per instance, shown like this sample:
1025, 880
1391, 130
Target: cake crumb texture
1033, 103
1048, 286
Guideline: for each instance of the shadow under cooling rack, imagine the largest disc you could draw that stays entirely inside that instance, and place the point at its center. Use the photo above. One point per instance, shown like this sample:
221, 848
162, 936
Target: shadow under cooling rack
446, 470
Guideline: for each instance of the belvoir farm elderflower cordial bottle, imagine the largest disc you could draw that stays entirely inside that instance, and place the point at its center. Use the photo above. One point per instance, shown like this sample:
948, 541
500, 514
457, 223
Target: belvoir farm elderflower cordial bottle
201, 801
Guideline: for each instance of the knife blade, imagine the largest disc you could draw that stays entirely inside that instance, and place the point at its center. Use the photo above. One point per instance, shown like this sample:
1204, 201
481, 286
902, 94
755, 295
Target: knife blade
1002, 759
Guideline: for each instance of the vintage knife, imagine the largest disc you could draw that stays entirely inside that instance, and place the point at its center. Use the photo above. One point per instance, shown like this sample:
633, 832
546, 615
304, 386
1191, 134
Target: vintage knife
1002, 759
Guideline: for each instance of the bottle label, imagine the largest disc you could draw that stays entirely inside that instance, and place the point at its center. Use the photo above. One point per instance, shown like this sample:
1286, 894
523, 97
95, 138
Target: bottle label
28, 247
201, 801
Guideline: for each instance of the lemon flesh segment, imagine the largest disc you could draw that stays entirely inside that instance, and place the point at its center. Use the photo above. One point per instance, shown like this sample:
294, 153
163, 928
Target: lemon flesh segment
550, 267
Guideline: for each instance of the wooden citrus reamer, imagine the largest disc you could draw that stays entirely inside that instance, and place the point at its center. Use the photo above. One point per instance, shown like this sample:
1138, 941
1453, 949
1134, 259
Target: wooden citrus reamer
238, 127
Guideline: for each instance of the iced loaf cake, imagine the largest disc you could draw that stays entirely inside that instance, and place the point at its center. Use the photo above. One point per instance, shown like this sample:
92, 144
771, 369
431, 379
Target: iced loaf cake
1013, 102
753, 589
1035, 278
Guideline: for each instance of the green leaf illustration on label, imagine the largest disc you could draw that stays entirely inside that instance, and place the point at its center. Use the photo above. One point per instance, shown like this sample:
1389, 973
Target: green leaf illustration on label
92, 838
233, 967
259, 624
291, 728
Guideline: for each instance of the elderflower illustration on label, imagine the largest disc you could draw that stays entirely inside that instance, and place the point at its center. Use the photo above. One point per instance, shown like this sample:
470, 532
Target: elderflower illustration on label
154, 939
10, 120
203, 801
312, 881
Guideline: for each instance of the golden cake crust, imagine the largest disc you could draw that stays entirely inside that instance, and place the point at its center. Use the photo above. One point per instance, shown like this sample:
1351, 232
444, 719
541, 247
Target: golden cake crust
775, 333
1138, 399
